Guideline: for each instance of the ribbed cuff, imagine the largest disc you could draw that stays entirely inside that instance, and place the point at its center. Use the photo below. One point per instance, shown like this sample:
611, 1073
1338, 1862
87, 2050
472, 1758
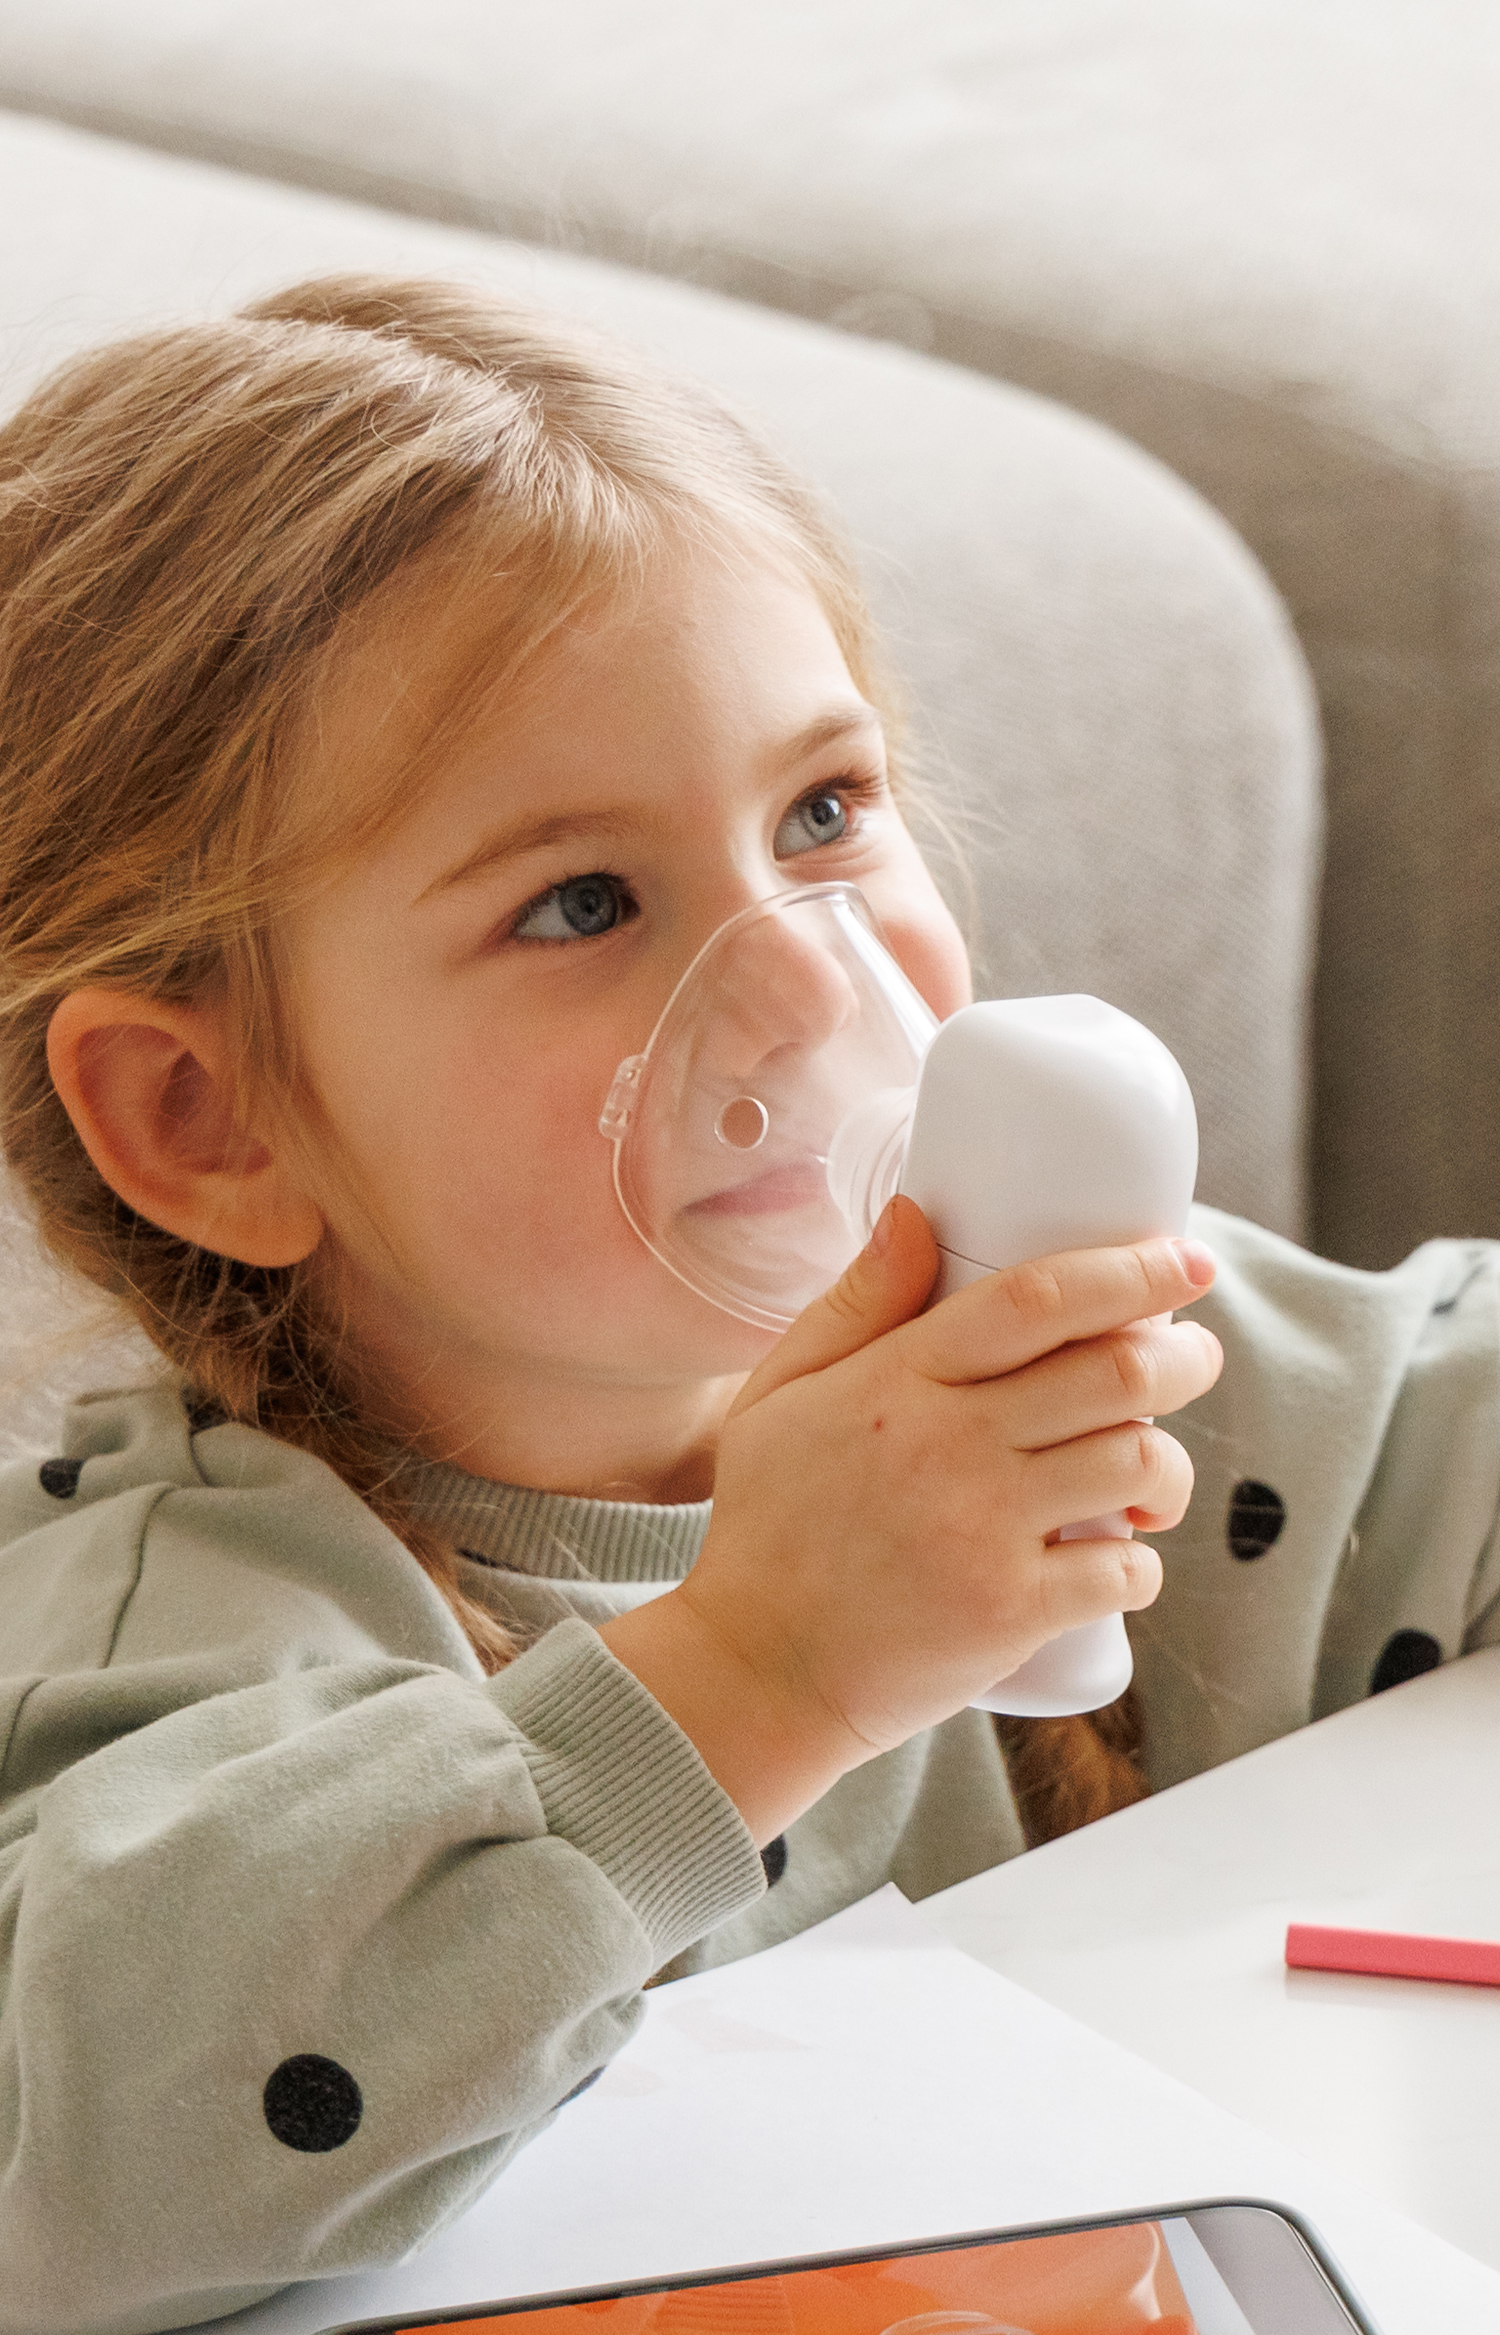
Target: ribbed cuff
622, 1783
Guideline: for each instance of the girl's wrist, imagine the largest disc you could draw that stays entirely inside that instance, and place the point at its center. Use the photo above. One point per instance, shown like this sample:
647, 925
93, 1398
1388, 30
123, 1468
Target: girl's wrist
766, 1739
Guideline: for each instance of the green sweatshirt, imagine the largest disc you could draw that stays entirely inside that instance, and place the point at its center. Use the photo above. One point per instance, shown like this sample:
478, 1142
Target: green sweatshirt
307, 1926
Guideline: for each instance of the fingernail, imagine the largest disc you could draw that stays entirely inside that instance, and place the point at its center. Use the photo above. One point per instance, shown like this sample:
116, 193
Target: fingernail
880, 1238
1197, 1262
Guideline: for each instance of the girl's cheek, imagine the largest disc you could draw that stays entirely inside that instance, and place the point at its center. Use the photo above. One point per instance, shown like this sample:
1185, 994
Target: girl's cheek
920, 932
933, 958
547, 1145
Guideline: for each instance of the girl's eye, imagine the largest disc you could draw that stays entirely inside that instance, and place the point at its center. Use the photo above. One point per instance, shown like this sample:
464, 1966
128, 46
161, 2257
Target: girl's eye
580, 909
819, 818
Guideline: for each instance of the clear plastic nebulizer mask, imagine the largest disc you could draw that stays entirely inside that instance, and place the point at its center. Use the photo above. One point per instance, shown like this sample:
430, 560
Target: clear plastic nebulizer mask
796, 1080
790, 1018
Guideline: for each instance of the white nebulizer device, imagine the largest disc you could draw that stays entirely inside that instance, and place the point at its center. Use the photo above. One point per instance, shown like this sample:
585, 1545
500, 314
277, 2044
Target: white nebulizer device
796, 1080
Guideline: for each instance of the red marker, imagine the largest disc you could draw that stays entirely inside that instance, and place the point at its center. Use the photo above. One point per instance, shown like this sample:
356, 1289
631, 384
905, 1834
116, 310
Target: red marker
1387, 1954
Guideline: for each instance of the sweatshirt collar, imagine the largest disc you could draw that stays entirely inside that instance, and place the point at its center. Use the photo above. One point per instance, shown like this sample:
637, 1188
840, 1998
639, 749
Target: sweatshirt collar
557, 1535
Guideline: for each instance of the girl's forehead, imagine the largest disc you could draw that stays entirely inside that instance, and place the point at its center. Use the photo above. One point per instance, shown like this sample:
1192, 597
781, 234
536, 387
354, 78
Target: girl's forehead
446, 673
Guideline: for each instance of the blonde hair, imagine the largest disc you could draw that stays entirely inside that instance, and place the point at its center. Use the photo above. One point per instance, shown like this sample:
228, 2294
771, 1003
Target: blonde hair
190, 521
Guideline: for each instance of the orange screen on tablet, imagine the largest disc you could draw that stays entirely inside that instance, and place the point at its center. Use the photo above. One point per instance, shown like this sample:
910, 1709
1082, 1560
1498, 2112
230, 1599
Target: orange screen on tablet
1076, 2282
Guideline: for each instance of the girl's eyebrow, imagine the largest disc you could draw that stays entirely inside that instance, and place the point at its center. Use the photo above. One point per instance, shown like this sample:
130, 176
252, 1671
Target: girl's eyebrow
610, 824
524, 835
844, 721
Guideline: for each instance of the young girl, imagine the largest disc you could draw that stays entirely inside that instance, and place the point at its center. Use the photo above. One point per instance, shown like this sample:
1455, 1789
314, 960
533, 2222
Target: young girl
395, 693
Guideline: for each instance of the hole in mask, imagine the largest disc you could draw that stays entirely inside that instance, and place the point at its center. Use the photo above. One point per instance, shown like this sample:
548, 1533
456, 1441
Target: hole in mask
743, 1123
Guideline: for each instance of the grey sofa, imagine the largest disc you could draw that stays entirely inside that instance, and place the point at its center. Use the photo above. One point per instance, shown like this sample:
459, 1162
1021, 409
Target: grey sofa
1105, 688
1255, 236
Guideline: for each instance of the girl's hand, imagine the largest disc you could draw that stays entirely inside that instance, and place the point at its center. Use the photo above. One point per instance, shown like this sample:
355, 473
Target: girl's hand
888, 1493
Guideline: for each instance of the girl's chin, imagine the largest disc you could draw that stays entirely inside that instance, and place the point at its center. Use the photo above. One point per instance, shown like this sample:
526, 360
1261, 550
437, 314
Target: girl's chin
715, 1344
660, 1332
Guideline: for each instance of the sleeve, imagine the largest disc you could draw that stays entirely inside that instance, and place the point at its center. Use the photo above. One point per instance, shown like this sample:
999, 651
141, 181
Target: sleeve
1420, 1580
292, 1967
1484, 1629
1342, 1531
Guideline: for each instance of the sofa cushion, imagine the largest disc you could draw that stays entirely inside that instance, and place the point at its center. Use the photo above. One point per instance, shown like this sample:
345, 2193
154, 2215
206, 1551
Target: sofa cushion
1254, 235
1106, 693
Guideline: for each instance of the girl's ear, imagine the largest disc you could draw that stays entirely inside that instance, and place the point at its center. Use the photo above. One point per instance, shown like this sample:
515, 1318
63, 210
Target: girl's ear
146, 1086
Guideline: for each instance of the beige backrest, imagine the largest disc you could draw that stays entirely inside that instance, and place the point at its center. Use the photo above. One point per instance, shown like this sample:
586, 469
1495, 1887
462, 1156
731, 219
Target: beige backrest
1105, 689
1259, 240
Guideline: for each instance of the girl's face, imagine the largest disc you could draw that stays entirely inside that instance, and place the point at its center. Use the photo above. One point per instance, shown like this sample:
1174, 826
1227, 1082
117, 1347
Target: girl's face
466, 988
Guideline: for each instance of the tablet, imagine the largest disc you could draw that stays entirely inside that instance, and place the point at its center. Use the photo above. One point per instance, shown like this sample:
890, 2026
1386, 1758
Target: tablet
1222, 2266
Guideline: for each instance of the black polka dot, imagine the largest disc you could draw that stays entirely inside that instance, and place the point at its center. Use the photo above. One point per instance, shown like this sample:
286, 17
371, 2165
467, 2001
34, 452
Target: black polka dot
773, 1858
1256, 1516
60, 1477
313, 2103
1407, 1655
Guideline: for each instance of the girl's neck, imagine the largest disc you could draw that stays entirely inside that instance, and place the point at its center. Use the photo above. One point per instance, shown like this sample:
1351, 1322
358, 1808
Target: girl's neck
597, 1441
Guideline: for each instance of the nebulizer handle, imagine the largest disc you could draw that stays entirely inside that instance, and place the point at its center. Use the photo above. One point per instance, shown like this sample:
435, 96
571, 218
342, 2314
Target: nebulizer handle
1037, 1125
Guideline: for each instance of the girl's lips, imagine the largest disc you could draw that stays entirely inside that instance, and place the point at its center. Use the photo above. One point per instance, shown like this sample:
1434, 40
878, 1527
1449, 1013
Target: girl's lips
799, 1184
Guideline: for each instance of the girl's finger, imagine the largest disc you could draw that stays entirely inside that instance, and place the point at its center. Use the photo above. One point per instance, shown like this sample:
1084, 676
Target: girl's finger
1082, 1580
1136, 1466
1147, 1371
888, 1282
1012, 1318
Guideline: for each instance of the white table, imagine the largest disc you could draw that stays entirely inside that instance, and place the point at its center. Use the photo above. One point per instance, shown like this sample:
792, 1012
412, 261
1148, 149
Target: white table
1163, 1928
860, 2084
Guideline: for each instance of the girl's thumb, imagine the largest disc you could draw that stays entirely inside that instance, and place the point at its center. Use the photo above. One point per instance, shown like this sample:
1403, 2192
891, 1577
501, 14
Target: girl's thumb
887, 1283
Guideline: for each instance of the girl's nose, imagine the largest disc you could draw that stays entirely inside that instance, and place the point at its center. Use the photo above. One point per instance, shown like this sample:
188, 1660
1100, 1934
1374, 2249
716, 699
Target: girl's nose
778, 987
